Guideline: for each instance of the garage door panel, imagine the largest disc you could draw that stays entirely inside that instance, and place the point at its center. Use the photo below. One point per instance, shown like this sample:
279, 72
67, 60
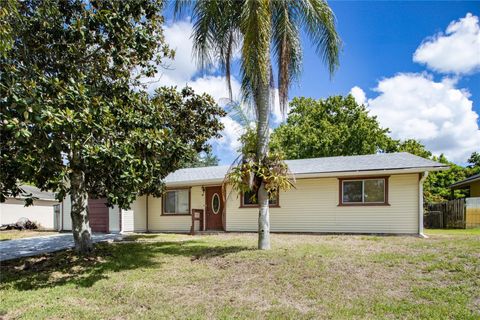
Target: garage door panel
98, 215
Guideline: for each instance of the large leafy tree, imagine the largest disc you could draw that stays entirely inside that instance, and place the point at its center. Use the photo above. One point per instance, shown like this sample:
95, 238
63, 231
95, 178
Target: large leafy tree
473, 166
74, 118
436, 187
267, 34
336, 126
411, 146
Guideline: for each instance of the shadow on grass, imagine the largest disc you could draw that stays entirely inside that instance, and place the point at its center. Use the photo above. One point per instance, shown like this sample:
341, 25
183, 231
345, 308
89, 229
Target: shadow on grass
63, 268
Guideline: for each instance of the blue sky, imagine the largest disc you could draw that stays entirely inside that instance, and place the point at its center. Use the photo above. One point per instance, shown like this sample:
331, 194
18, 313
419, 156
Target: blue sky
415, 65
380, 38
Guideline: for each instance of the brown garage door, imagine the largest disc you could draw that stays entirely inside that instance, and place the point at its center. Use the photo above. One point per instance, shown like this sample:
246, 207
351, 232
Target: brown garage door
98, 213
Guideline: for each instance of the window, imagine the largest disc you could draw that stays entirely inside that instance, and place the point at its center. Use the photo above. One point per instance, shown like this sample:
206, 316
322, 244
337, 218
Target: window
216, 203
176, 201
249, 200
371, 191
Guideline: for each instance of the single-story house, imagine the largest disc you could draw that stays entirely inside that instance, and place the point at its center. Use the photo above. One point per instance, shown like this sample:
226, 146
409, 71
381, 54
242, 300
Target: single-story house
44, 211
472, 183
379, 193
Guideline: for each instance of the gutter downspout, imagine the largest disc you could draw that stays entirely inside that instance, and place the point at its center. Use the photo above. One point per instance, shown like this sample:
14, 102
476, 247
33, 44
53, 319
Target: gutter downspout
423, 176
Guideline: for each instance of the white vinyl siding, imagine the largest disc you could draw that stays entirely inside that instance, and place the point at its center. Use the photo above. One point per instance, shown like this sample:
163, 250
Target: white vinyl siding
312, 206
134, 219
127, 220
114, 219
159, 222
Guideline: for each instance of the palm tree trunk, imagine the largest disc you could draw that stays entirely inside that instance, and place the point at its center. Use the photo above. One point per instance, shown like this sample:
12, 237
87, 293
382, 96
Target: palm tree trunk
263, 133
82, 233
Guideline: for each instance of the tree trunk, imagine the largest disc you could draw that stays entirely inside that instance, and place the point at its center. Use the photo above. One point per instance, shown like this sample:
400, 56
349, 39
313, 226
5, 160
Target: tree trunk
263, 133
82, 233
263, 219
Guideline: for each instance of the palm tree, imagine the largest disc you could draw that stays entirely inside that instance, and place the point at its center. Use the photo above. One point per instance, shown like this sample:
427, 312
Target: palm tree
262, 30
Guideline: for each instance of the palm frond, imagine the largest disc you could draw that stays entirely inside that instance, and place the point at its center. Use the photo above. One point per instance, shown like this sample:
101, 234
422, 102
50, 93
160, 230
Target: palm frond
287, 48
206, 24
180, 7
318, 21
256, 30
239, 112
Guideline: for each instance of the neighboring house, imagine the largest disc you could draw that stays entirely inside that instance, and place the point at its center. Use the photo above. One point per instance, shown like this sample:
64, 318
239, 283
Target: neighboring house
472, 203
471, 183
44, 210
380, 193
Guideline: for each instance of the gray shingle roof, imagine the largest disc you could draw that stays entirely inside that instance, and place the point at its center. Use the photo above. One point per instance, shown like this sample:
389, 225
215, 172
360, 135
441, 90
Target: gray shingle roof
466, 181
197, 174
37, 193
371, 162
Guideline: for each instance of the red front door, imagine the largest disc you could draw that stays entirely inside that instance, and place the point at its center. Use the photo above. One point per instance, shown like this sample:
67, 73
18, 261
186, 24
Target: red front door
98, 214
214, 208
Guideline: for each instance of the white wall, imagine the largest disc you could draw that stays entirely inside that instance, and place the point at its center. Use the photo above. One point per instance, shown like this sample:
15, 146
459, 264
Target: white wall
114, 219
42, 212
312, 206
134, 219
66, 209
159, 222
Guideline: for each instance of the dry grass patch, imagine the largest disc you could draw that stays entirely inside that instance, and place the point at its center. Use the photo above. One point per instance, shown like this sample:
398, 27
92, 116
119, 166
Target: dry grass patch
224, 277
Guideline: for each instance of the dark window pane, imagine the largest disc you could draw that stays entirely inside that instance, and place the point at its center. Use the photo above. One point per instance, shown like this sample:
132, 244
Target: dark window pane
374, 190
176, 201
169, 206
182, 203
273, 201
248, 200
352, 191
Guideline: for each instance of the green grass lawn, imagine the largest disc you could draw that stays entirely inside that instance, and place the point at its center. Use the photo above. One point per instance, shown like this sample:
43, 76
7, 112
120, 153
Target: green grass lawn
224, 277
20, 234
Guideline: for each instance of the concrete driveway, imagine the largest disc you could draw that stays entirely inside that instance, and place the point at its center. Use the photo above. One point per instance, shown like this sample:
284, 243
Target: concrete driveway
18, 248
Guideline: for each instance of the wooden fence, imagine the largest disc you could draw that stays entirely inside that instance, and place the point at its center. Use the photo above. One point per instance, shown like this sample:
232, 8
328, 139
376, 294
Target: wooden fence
450, 214
458, 213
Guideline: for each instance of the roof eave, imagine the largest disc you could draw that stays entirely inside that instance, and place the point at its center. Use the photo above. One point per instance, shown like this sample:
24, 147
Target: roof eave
193, 183
461, 184
369, 172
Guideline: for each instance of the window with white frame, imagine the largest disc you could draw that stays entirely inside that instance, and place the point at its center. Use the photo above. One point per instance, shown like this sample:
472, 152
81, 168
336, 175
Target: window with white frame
176, 201
364, 191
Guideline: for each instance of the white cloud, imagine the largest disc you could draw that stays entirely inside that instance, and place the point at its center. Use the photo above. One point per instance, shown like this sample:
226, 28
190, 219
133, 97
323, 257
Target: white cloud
455, 51
230, 135
177, 35
183, 71
277, 115
438, 114
359, 95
